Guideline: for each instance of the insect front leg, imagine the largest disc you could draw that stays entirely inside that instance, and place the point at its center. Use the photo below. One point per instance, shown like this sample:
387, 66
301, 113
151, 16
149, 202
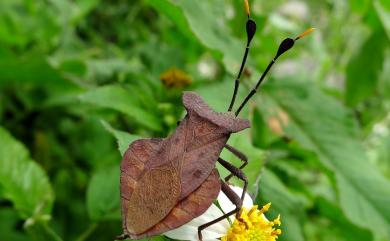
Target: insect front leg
238, 154
233, 197
236, 172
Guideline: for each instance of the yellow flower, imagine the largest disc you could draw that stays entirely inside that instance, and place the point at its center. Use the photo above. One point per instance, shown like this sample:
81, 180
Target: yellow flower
253, 226
175, 78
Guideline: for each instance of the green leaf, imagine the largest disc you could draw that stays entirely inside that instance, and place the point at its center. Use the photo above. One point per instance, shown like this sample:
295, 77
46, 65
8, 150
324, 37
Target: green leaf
359, 6
9, 219
284, 203
33, 71
342, 227
203, 18
85, 6
382, 8
73, 66
23, 181
123, 138
262, 134
121, 99
103, 195
25, 22
364, 68
42, 231
323, 125
174, 13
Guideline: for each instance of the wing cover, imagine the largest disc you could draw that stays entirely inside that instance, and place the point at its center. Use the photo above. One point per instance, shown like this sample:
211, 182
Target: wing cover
147, 196
189, 208
153, 198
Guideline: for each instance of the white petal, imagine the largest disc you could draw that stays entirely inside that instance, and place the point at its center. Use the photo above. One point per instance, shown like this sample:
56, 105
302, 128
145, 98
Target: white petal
228, 206
189, 231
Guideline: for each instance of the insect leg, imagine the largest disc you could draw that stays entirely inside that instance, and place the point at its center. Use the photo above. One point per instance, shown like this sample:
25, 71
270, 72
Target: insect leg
233, 197
236, 172
238, 154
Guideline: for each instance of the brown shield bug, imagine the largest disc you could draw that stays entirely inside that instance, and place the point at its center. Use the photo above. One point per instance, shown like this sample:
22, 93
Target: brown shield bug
166, 183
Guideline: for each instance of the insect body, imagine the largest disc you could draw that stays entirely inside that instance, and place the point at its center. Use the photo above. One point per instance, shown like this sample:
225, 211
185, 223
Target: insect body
166, 183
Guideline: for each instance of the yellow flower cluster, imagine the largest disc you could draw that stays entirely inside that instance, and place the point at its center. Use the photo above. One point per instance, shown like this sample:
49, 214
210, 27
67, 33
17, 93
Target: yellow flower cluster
175, 78
253, 226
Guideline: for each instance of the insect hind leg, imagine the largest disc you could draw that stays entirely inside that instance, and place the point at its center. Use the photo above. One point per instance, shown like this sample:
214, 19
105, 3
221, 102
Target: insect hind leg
238, 154
236, 172
234, 198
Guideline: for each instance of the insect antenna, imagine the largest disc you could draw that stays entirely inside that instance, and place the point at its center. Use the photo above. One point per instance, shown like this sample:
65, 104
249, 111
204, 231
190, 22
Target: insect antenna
286, 44
250, 32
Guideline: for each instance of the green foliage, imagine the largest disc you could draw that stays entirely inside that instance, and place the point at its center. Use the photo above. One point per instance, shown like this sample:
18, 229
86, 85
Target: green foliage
80, 80
21, 177
102, 198
363, 194
123, 138
284, 202
362, 76
26, 185
120, 99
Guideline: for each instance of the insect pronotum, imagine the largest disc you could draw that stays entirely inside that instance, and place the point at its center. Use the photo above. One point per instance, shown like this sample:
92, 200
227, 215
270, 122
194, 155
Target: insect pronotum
167, 182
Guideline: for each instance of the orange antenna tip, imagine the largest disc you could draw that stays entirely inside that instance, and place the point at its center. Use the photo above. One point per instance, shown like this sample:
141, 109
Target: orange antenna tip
304, 34
247, 9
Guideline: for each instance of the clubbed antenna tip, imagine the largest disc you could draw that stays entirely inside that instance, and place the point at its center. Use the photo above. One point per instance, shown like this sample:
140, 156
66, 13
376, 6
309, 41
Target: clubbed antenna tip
288, 43
247, 9
250, 30
304, 34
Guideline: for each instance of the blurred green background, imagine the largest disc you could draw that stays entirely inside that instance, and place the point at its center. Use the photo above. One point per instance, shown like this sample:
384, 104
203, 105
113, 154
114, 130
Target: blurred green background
78, 78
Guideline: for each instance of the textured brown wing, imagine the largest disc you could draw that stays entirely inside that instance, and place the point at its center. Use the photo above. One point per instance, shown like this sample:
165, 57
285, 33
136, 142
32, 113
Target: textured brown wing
189, 208
147, 195
134, 161
153, 198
